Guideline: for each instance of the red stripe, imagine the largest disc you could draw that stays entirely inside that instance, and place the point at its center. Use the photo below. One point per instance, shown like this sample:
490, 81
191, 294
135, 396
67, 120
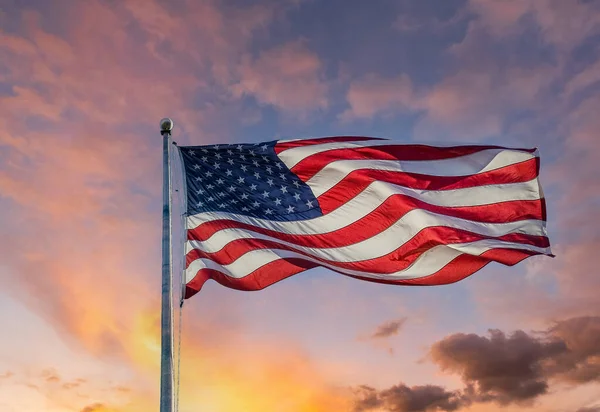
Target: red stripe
461, 267
282, 146
273, 272
262, 277
356, 181
389, 212
311, 165
399, 259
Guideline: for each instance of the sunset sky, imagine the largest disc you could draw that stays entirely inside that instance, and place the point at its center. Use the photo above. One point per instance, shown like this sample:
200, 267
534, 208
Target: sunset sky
83, 85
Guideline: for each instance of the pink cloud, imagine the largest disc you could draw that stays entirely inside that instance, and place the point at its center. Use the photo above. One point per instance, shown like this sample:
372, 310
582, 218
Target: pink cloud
373, 95
563, 25
289, 77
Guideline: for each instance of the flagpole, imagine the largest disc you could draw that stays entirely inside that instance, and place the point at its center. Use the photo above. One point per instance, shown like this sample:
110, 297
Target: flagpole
166, 321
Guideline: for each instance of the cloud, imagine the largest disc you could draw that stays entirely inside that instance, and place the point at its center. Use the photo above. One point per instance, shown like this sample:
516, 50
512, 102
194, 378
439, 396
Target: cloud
81, 189
504, 369
50, 376
374, 95
562, 25
97, 407
518, 368
6, 375
401, 398
491, 75
388, 329
289, 77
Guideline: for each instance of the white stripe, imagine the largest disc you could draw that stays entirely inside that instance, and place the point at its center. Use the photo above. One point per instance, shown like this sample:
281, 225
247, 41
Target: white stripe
375, 194
291, 157
471, 164
383, 242
428, 263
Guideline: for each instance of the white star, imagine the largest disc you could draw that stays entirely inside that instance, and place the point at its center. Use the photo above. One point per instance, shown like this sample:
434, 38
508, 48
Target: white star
234, 202
270, 182
216, 147
255, 163
283, 189
255, 204
230, 161
252, 187
222, 205
204, 159
221, 194
210, 199
251, 152
309, 203
282, 176
228, 172
296, 183
277, 201
192, 153
268, 212
209, 174
198, 179
209, 186
220, 181
290, 209
196, 167
265, 194
245, 209
230, 152
269, 170
231, 188
256, 175
279, 166
217, 165
204, 150
199, 191
297, 196
264, 147
240, 147
218, 156
242, 157
200, 204
240, 180
244, 196
266, 158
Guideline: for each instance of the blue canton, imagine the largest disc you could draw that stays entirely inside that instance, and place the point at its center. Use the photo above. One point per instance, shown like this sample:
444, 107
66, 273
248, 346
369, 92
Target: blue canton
246, 179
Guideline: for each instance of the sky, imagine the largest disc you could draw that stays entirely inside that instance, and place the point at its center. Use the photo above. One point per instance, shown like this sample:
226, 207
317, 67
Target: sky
83, 85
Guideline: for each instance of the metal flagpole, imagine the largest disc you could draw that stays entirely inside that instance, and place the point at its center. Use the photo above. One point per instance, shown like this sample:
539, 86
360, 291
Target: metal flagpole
166, 321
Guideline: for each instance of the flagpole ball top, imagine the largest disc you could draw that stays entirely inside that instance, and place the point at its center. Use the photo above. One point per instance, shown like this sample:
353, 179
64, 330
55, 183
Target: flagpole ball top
166, 125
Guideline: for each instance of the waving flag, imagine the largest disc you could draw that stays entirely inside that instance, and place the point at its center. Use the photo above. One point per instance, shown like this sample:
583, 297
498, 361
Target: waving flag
364, 207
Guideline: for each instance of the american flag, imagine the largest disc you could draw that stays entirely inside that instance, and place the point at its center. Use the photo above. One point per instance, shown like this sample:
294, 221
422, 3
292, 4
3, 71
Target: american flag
365, 207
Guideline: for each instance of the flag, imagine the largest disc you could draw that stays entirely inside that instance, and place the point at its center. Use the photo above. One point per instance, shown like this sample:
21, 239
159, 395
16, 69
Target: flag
369, 208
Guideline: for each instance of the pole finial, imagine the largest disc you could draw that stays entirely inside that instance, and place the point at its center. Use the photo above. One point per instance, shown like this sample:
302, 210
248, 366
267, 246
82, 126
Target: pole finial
166, 125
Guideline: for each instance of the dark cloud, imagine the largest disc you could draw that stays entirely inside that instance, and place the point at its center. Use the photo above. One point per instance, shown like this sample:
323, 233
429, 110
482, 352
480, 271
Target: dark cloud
500, 368
401, 398
580, 363
517, 368
95, 407
388, 329
504, 369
